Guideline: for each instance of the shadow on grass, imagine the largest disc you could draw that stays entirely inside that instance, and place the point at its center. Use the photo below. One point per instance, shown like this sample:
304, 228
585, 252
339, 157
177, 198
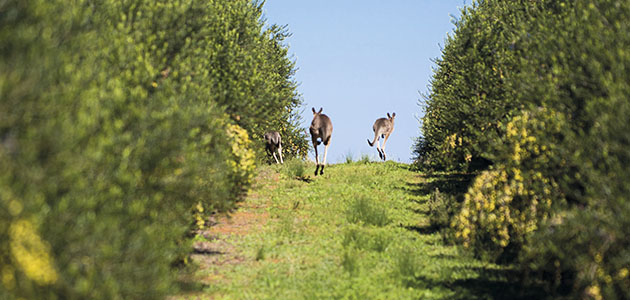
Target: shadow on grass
445, 193
429, 229
490, 284
306, 179
188, 285
448, 183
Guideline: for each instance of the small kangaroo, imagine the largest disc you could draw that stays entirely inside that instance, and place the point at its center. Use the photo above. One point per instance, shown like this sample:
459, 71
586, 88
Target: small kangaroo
321, 128
273, 143
382, 127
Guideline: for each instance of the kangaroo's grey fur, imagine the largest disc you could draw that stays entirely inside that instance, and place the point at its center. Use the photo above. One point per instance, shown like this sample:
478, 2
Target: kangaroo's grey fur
321, 128
273, 144
382, 127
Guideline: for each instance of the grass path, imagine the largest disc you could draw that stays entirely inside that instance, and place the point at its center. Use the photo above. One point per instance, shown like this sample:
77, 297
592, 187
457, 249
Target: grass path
361, 231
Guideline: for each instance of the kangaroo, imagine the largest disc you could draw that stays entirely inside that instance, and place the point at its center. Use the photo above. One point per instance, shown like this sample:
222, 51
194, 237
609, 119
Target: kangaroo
321, 128
273, 143
382, 127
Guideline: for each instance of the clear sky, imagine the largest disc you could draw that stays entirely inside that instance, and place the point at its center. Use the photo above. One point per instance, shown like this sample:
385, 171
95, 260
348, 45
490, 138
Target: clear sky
360, 60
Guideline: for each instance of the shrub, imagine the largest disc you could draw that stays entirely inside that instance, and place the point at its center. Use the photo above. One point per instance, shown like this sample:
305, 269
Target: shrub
555, 195
113, 129
468, 88
506, 203
242, 164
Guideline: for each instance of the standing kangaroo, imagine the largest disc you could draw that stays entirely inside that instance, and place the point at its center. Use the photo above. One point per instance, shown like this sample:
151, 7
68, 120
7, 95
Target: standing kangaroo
273, 143
321, 128
382, 127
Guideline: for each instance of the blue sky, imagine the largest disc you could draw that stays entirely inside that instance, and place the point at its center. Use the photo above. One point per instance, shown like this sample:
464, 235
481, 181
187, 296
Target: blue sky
361, 59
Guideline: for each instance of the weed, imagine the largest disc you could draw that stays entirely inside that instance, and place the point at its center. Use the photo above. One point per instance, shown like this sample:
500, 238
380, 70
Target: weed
286, 224
368, 239
350, 260
294, 168
439, 208
366, 211
261, 253
380, 242
408, 266
348, 158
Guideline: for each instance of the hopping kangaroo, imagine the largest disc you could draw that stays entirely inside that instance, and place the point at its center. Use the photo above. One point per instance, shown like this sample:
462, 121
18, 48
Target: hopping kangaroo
383, 127
273, 143
321, 128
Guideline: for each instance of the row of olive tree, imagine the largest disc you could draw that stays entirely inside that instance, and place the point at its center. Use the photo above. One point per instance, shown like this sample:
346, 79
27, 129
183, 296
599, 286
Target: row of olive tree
119, 121
535, 96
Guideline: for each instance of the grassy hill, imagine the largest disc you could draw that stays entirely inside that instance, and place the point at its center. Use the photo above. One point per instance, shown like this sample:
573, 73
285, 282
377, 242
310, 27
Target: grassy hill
361, 231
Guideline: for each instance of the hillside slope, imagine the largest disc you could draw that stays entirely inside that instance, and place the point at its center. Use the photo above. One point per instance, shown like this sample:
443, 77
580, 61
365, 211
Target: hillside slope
361, 231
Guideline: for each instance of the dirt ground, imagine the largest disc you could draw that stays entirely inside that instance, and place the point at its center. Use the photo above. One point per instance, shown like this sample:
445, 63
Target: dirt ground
216, 248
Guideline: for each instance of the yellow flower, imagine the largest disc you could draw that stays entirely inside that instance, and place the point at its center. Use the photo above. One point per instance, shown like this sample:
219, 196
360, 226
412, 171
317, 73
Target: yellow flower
511, 131
594, 291
31, 253
465, 212
450, 140
465, 232
517, 175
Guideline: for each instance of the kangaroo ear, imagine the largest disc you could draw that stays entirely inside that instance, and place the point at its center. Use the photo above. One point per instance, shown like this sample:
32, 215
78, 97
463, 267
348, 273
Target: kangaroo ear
320, 110
314, 112
393, 115
389, 116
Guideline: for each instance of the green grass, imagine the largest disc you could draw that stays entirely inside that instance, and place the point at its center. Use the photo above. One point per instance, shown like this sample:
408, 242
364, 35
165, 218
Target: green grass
357, 232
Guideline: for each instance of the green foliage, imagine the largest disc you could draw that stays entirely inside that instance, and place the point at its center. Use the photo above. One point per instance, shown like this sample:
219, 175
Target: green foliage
553, 125
113, 132
468, 88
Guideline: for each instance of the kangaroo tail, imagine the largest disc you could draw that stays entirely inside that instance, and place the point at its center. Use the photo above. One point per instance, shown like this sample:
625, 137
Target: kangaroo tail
374, 141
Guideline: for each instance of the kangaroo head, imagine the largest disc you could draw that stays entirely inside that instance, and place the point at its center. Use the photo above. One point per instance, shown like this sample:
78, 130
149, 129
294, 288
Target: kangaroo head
317, 112
391, 117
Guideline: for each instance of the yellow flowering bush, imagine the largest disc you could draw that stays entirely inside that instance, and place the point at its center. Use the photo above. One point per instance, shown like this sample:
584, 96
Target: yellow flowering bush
111, 136
555, 193
242, 163
506, 203
239, 171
